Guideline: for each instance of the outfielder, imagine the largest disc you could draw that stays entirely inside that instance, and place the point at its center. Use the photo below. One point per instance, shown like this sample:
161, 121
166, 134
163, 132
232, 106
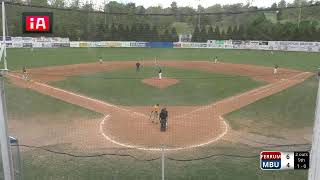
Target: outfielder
24, 73
138, 67
100, 60
155, 113
160, 74
275, 69
216, 60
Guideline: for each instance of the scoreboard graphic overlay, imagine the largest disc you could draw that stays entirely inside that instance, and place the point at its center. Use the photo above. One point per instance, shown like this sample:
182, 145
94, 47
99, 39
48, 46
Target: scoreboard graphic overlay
276, 160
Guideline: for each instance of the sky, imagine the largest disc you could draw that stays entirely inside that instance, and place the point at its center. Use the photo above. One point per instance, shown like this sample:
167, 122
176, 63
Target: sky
191, 3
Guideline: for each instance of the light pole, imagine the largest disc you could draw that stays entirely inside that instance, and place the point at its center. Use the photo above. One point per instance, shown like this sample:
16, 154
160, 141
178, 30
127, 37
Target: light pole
299, 17
199, 15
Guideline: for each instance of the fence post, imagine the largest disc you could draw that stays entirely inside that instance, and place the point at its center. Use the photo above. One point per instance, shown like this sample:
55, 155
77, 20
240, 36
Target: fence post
314, 171
162, 161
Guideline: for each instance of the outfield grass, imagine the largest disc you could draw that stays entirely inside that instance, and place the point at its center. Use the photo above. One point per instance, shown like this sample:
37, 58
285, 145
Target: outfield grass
24, 104
17, 58
125, 87
292, 108
40, 165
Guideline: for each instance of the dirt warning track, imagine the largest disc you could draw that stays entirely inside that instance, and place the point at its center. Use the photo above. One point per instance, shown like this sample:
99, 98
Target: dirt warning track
189, 127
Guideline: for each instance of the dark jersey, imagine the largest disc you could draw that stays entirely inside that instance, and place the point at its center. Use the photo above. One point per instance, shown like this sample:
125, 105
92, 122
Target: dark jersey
160, 71
276, 66
163, 114
138, 64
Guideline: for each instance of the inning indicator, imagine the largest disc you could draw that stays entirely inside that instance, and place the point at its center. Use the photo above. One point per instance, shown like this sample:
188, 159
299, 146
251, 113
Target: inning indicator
276, 160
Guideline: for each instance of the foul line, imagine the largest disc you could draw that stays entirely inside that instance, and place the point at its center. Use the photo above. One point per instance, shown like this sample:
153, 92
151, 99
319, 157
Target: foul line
102, 123
81, 96
258, 90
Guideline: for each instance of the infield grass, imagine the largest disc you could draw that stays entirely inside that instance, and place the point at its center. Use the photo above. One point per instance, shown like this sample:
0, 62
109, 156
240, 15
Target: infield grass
125, 87
17, 58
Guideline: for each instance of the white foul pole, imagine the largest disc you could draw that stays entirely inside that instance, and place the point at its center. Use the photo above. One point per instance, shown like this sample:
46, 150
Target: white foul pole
4, 138
314, 170
4, 36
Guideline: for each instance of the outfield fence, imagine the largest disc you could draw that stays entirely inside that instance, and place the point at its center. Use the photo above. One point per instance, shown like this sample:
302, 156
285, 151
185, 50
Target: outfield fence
57, 42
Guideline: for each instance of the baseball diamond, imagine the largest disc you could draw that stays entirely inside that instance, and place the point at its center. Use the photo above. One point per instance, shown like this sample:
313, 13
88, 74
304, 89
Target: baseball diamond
127, 125
149, 90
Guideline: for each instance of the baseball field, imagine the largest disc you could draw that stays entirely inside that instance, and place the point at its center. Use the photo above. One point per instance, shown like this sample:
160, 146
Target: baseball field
78, 118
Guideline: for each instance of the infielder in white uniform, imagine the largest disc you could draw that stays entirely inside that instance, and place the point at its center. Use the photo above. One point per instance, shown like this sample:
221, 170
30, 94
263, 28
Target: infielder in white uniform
275, 69
160, 74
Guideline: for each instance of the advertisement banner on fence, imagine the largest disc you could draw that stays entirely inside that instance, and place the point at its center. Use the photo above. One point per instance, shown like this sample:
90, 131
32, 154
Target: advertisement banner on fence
125, 44
92, 44
27, 45
27, 39
17, 45
74, 44
65, 40
101, 44
194, 45
138, 44
56, 45
9, 45
186, 45
161, 44
263, 43
236, 42
114, 44
8, 38
177, 45
16, 39
83, 44
219, 42
60, 45
47, 45
65, 44
203, 45
37, 45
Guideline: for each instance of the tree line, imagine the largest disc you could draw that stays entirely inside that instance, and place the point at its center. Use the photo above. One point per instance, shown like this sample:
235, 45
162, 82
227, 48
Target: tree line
137, 32
261, 29
81, 21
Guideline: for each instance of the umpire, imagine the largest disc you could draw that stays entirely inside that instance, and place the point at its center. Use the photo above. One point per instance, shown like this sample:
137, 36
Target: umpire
163, 119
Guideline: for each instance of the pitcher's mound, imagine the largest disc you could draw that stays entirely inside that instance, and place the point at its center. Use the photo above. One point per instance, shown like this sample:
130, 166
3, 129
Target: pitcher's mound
163, 83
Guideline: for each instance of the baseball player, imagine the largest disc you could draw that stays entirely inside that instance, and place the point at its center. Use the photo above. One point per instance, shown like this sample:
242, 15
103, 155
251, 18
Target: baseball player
138, 67
100, 60
275, 69
155, 113
318, 75
160, 74
24, 73
163, 119
216, 60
